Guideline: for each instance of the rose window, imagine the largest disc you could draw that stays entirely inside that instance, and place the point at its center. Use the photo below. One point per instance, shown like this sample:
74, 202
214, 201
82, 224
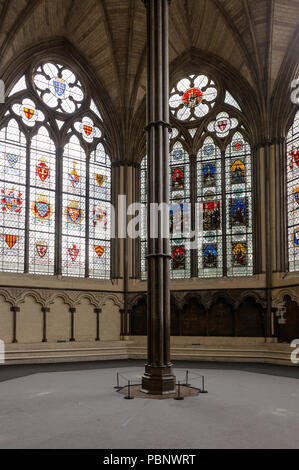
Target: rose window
193, 97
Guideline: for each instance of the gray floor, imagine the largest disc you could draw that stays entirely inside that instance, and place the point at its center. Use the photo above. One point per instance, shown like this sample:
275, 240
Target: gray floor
75, 406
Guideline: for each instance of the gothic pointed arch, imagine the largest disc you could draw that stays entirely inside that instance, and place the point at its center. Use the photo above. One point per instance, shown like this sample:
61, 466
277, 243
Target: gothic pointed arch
55, 176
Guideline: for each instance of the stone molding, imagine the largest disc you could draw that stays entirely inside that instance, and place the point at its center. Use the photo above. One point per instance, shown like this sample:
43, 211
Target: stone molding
207, 298
16, 296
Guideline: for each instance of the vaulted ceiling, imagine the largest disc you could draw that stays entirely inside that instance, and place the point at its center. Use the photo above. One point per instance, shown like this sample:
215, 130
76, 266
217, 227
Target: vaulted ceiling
253, 36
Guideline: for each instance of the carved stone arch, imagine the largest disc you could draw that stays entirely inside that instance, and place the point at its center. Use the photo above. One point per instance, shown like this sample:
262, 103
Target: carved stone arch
178, 298
246, 294
15, 294
94, 299
64, 296
279, 296
190, 296
35, 294
114, 298
227, 296
133, 301
8, 297
61, 50
58, 50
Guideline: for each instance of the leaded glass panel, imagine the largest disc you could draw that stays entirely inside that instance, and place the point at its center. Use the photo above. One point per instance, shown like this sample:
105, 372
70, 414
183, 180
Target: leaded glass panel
209, 199
13, 197
292, 174
238, 177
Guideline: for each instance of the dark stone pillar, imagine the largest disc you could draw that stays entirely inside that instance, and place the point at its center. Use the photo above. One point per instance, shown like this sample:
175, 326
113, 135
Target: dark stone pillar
45, 311
129, 323
267, 157
73, 311
97, 311
158, 378
14, 310
122, 322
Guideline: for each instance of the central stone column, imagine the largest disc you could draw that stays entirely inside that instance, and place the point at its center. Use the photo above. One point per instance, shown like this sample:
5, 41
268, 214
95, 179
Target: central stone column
158, 378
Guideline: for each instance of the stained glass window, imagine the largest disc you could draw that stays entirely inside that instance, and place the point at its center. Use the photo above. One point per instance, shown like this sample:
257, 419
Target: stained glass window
180, 214
58, 87
42, 203
238, 171
229, 99
210, 165
143, 200
193, 97
292, 173
99, 213
209, 198
73, 209
222, 125
13, 167
229, 195
55, 199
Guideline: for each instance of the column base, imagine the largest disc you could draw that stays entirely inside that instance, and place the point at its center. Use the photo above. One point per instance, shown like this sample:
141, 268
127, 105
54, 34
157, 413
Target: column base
158, 380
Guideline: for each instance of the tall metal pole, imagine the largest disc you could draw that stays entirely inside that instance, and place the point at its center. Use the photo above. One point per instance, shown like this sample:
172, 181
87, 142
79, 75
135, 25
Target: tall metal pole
158, 377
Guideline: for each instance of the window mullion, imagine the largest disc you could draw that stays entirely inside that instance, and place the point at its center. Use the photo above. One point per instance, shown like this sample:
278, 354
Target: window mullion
193, 197
27, 211
223, 205
87, 218
58, 211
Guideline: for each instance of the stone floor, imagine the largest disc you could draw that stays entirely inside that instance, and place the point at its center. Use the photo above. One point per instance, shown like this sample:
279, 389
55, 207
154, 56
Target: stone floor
75, 406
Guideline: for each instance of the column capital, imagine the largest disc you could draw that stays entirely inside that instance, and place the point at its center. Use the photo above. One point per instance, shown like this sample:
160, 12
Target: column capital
156, 124
14, 309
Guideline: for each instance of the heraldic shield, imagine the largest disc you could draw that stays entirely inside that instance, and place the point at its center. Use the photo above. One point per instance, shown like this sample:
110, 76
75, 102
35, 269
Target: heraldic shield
11, 201
87, 129
12, 159
41, 248
42, 169
42, 209
59, 86
100, 179
99, 250
29, 112
74, 213
10, 240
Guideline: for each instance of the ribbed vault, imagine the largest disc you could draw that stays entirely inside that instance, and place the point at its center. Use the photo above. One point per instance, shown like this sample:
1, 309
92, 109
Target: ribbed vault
255, 39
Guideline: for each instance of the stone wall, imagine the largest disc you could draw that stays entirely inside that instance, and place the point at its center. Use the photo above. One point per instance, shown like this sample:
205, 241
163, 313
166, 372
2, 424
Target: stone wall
40, 315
